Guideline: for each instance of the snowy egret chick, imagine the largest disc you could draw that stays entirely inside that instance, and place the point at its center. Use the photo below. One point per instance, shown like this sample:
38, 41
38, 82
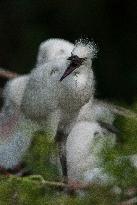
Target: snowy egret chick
48, 50
44, 92
14, 89
78, 88
78, 84
16, 131
84, 145
17, 138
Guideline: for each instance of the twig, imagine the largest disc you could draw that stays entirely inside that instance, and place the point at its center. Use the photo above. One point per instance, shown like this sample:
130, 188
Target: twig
7, 74
131, 192
129, 202
36, 178
116, 109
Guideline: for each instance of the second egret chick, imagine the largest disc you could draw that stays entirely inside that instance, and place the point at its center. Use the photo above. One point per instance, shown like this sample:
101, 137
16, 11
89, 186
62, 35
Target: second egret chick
48, 50
95, 111
15, 129
84, 145
14, 89
52, 49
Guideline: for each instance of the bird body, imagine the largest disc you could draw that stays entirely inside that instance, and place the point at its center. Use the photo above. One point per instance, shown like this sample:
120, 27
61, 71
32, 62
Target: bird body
15, 129
84, 145
92, 111
86, 140
13, 148
92, 131
14, 90
44, 92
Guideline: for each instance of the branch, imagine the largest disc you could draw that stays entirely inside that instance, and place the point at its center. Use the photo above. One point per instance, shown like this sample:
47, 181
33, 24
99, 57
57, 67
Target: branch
116, 109
7, 74
72, 187
129, 202
75, 186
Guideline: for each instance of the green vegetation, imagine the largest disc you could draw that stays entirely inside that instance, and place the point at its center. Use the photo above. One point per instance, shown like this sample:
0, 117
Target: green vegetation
44, 186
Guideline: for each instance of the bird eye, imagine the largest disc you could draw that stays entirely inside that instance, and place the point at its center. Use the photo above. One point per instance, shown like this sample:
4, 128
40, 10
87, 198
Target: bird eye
53, 71
76, 73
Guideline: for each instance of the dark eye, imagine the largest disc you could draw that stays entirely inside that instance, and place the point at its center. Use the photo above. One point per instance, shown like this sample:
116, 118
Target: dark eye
76, 73
53, 71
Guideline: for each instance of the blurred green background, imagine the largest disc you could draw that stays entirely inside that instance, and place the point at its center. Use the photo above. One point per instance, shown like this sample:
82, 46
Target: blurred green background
112, 24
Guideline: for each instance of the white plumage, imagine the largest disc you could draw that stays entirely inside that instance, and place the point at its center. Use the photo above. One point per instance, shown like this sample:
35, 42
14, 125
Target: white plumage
40, 101
52, 49
84, 145
44, 92
15, 129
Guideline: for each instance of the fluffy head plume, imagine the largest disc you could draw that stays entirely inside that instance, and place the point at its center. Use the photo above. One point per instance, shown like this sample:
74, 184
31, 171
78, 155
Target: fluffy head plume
85, 49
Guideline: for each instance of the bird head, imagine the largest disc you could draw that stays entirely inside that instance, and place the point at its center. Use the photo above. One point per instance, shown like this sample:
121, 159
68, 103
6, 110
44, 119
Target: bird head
82, 54
78, 78
52, 49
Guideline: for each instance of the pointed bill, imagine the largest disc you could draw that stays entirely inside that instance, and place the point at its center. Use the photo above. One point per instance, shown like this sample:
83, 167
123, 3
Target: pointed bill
69, 70
76, 62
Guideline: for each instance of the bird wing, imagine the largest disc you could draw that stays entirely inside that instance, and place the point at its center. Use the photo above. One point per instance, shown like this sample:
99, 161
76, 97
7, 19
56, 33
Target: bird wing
5, 75
8, 121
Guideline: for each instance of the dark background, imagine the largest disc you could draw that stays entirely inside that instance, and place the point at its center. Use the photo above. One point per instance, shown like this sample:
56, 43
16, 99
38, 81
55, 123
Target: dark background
112, 24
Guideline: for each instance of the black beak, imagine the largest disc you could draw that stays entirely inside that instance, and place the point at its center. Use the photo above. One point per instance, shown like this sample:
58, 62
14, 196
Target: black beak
75, 62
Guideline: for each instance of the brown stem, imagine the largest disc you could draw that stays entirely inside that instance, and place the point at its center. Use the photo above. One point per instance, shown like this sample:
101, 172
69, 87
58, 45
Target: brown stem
129, 202
7, 74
